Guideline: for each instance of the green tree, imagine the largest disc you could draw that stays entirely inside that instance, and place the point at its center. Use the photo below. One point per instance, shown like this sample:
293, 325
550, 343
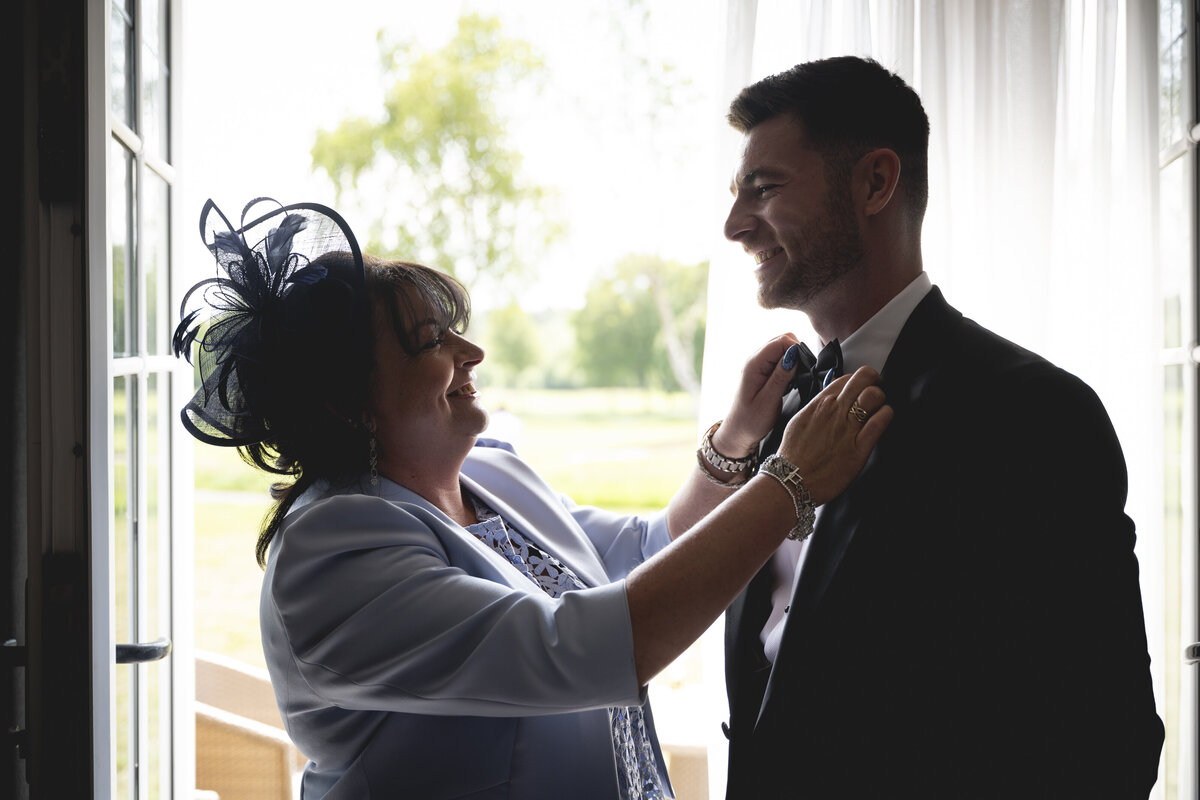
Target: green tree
615, 331
513, 340
443, 185
643, 325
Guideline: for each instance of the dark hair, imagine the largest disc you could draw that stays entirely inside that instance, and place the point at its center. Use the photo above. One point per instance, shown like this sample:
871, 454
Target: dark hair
313, 383
400, 288
848, 106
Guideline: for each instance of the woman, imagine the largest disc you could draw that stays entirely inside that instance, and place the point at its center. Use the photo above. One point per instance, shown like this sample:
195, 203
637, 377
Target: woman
437, 621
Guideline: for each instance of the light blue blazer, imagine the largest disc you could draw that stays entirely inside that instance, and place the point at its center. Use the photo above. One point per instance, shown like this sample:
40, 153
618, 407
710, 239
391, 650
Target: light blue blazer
410, 660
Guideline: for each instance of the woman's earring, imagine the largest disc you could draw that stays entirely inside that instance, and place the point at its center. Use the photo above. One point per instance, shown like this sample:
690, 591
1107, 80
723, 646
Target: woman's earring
373, 457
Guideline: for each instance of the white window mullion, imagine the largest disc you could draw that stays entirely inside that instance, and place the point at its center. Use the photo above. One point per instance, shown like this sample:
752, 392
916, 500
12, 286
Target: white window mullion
99, 400
138, 479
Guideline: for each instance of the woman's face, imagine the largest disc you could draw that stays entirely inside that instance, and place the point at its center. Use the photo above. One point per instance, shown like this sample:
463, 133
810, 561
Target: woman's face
425, 405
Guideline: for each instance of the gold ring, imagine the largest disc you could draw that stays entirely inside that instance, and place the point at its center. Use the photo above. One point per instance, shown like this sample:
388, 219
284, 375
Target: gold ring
858, 412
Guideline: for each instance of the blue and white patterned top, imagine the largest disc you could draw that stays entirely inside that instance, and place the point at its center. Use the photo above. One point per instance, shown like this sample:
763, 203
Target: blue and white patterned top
637, 770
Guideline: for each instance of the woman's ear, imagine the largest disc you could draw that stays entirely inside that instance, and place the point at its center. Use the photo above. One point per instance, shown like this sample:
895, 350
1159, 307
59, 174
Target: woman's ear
365, 421
878, 173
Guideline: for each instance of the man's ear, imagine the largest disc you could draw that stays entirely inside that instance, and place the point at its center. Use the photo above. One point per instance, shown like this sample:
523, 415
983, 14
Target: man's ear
877, 174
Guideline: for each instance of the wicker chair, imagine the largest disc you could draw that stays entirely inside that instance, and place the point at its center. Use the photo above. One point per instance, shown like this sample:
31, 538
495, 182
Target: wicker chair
688, 767
241, 748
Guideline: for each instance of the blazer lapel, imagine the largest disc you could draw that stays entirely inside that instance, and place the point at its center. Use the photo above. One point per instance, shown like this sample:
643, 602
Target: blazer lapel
835, 530
444, 526
532, 514
919, 349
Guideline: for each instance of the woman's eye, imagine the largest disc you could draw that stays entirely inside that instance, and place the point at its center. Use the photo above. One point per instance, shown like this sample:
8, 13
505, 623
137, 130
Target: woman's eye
434, 342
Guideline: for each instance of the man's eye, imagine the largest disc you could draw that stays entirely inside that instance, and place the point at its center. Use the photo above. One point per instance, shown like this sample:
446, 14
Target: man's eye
763, 189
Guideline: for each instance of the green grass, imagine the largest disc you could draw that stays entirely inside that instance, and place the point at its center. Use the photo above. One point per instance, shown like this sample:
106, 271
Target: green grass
621, 449
228, 580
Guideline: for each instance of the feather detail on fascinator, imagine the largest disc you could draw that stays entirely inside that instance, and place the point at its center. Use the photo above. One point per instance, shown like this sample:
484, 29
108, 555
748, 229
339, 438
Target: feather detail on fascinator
275, 303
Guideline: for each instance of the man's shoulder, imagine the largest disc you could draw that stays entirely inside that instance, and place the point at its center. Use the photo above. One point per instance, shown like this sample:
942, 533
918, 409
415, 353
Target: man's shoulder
981, 362
969, 346
977, 345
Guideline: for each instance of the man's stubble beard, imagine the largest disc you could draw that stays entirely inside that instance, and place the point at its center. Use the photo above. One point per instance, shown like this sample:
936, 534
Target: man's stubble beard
831, 249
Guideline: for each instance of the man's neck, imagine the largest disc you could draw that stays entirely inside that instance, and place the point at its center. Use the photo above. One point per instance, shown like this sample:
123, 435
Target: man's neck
843, 308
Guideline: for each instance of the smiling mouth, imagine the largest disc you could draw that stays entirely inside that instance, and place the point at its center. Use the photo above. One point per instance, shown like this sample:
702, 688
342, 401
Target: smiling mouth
765, 255
466, 390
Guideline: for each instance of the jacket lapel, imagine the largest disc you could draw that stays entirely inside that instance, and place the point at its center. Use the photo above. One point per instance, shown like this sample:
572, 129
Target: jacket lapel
918, 351
532, 509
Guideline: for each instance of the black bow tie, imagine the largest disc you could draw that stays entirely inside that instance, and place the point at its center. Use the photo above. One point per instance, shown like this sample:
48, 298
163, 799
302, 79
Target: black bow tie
814, 373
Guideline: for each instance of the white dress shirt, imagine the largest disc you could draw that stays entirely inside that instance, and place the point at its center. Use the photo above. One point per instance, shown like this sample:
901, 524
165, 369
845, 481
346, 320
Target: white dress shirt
869, 346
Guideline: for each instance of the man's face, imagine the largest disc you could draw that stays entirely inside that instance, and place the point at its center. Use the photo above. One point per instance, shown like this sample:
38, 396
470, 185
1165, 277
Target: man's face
800, 230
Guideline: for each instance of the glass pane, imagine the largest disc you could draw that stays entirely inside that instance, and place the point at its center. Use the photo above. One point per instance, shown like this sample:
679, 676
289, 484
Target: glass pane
121, 233
1174, 247
1174, 407
1172, 43
121, 69
154, 104
154, 26
124, 432
155, 269
155, 532
157, 761
154, 529
124, 720
124, 570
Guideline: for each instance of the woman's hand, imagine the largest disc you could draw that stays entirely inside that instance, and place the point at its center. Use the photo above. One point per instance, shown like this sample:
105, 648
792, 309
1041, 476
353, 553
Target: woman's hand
826, 439
758, 400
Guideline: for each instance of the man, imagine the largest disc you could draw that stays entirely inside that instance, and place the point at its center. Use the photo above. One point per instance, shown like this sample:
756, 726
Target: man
965, 622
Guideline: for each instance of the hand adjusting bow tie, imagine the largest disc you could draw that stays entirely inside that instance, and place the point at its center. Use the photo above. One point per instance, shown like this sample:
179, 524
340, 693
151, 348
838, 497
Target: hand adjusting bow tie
814, 373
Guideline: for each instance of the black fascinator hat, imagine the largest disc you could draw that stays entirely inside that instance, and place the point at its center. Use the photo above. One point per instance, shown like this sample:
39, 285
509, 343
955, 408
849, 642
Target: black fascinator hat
282, 335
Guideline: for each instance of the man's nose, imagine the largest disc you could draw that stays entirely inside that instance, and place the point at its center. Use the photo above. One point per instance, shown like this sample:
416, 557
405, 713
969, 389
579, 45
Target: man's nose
738, 223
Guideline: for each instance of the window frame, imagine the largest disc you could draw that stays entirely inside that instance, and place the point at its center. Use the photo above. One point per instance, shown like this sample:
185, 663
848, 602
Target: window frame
174, 378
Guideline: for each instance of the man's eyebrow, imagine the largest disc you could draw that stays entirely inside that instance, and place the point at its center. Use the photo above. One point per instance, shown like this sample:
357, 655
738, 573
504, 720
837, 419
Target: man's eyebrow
752, 175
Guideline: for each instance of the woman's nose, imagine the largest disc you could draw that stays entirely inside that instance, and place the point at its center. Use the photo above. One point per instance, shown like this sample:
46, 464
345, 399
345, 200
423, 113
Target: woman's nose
470, 355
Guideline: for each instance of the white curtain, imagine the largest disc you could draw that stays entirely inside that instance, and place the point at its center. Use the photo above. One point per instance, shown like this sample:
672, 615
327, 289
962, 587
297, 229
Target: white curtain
1043, 193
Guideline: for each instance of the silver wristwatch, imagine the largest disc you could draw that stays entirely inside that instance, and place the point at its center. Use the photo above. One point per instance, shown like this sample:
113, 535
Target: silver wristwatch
788, 475
724, 463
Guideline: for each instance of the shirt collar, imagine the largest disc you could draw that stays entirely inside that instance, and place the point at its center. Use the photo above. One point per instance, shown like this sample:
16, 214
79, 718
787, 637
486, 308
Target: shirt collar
872, 343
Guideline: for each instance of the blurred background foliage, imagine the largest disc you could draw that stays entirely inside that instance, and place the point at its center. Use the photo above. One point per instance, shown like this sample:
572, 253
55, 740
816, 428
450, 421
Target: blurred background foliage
439, 151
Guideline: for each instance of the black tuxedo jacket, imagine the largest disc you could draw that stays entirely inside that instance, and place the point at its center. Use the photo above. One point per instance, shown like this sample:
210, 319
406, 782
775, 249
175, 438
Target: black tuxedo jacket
968, 622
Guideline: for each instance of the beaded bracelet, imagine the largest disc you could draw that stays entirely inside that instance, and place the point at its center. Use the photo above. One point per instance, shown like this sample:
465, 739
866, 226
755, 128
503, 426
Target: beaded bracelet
788, 475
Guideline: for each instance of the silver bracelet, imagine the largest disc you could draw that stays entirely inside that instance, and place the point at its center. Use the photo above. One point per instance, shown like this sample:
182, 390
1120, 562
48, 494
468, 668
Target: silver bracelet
788, 475
700, 461
725, 463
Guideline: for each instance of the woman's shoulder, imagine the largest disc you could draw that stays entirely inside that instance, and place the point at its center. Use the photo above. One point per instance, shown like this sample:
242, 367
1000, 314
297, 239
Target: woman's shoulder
341, 521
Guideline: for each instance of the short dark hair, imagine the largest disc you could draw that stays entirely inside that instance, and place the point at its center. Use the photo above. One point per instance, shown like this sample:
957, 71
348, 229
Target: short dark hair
848, 106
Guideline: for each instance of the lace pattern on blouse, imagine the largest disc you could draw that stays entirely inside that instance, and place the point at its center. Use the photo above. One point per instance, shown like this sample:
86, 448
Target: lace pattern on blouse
637, 768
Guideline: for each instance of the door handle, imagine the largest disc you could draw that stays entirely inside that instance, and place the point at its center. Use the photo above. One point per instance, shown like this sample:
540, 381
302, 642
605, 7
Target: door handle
1191, 653
143, 652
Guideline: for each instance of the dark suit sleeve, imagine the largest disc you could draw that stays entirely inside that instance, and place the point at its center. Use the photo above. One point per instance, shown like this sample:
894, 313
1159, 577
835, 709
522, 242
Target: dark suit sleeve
1072, 681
